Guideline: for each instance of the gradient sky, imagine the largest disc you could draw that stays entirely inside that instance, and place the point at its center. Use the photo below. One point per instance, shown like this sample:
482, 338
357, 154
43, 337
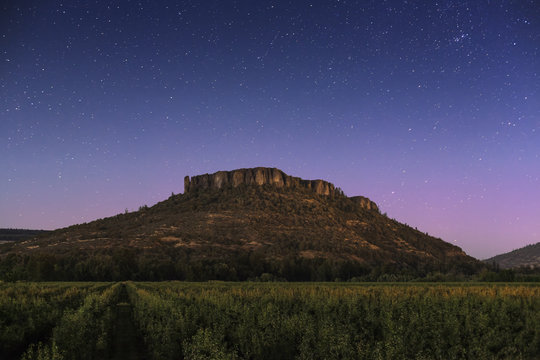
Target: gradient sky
429, 108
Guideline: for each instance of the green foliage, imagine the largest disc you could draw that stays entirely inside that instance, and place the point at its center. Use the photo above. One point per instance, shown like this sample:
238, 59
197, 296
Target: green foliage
28, 312
271, 321
204, 345
85, 333
42, 352
326, 321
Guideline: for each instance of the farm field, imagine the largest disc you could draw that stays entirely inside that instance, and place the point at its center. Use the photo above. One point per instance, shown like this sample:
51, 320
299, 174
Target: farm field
219, 320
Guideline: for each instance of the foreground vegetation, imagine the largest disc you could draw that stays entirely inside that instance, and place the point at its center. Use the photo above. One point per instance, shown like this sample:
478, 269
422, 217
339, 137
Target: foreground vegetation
218, 320
327, 321
58, 314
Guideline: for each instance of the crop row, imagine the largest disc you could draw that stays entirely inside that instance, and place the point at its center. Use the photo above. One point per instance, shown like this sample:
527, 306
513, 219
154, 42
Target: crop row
62, 321
318, 321
55, 321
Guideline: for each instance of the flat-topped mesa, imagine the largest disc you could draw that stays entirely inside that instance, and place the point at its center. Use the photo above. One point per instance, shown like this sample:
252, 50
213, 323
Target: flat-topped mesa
256, 176
266, 176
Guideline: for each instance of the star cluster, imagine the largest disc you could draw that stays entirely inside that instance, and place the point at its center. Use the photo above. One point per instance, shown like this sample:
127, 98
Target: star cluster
431, 109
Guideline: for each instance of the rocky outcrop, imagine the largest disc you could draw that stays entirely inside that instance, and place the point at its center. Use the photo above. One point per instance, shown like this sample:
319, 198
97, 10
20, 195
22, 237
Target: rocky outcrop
365, 203
267, 176
257, 176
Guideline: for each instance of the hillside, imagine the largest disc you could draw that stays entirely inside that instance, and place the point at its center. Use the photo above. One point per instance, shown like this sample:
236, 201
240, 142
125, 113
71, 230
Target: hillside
528, 256
19, 234
236, 230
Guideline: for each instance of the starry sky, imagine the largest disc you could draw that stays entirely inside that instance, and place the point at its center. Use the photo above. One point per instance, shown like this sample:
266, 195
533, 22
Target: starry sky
429, 108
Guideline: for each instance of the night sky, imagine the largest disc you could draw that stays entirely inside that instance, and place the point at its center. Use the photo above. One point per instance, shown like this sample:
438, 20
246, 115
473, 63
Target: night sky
431, 109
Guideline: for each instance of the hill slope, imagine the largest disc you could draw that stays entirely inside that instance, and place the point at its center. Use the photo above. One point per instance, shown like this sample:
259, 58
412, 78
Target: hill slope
238, 230
528, 256
19, 234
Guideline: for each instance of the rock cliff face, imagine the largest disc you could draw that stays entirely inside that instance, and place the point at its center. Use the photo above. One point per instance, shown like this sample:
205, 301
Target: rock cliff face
267, 176
365, 203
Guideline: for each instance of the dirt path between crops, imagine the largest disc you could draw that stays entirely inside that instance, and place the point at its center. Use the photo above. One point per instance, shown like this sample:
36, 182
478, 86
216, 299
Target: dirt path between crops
127, 344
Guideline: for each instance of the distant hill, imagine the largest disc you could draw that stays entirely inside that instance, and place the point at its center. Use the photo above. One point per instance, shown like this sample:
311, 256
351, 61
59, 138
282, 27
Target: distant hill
238, 225
528, 256
19, 234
